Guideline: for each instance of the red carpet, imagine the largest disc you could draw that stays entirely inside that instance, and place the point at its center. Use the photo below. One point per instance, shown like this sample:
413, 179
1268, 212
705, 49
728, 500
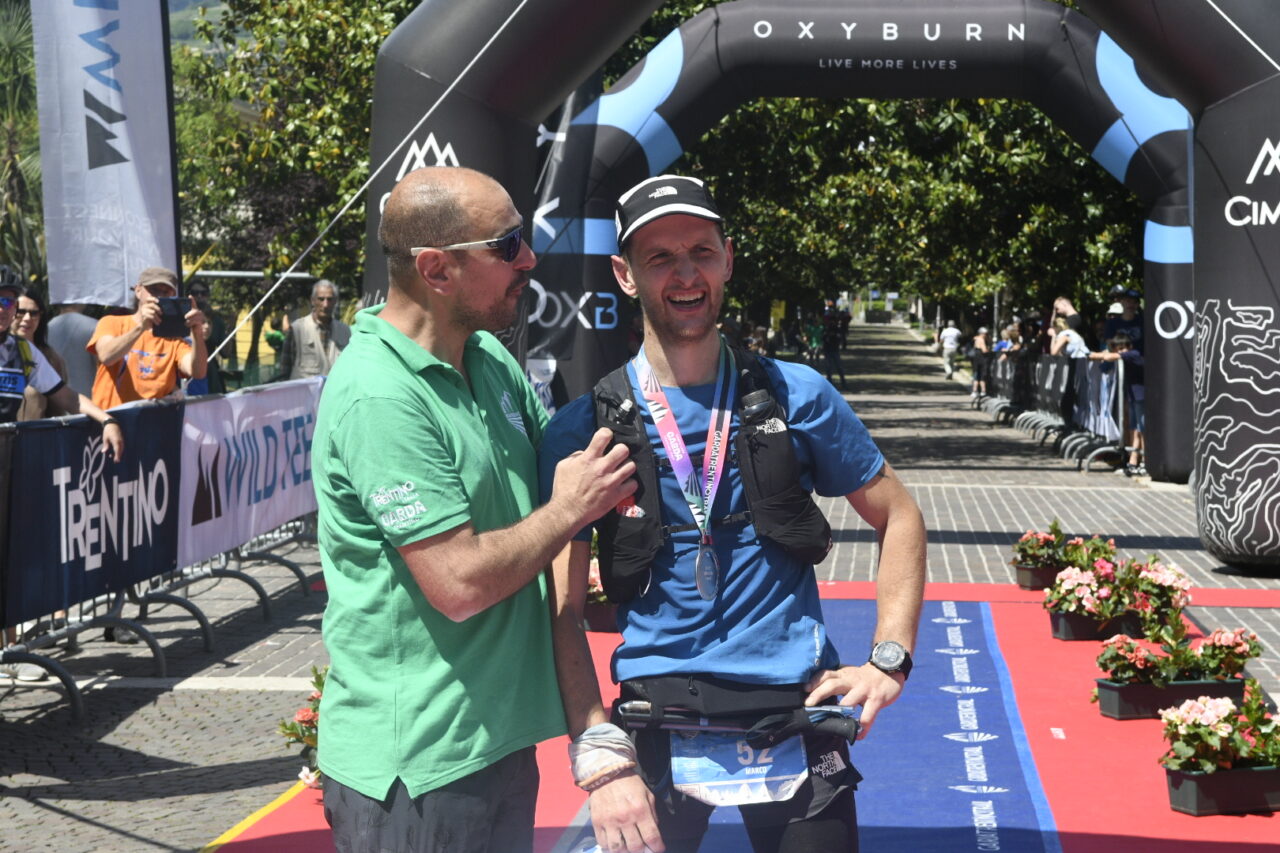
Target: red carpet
293, 823
1101, 776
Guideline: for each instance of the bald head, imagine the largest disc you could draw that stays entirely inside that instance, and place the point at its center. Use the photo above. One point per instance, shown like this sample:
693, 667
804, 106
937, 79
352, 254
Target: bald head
430, 207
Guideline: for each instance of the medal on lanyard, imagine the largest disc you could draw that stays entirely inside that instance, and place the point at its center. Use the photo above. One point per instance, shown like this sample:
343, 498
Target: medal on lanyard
699, 492
707, 570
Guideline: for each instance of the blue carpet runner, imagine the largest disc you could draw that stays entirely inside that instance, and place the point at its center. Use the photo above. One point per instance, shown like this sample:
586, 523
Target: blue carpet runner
947, 767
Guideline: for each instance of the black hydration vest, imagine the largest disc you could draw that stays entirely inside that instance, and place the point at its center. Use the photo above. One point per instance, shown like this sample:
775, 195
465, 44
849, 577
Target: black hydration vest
779, 507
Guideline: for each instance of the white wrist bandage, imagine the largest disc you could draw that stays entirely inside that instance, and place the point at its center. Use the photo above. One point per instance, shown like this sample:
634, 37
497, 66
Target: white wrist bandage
599, 755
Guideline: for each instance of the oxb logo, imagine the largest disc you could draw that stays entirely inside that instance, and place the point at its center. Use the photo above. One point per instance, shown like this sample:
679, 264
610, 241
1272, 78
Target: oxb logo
558, 310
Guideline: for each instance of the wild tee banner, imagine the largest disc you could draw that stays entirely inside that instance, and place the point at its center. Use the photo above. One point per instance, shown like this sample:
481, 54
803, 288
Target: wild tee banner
246, 465
82, 525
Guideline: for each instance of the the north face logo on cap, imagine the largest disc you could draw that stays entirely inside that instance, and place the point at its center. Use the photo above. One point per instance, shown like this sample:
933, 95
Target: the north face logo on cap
661, 191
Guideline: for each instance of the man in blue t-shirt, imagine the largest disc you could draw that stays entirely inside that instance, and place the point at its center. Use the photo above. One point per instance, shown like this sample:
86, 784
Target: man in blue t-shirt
725, 610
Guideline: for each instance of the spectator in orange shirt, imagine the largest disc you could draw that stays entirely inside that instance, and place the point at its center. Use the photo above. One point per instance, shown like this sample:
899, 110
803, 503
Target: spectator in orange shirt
133, 362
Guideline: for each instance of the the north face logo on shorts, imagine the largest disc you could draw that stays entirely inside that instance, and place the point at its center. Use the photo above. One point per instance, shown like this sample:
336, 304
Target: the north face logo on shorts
828, 765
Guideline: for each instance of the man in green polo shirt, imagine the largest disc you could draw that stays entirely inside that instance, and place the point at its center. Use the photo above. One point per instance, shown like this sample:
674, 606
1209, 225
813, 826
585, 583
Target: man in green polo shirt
424, 457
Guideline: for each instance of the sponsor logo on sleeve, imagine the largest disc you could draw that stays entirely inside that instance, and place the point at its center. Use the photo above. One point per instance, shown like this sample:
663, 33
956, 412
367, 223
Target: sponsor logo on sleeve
397, 505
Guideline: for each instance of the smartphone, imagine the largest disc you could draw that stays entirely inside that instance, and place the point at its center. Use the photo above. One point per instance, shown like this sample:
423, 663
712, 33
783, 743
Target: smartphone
173, 313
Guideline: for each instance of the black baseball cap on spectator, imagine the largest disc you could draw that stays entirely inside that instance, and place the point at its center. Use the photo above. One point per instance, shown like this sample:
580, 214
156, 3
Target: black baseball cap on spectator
662, 196
10, 282
1119, 291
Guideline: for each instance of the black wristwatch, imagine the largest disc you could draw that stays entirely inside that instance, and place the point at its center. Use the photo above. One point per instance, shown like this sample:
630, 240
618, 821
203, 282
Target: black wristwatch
108, 422
890, 657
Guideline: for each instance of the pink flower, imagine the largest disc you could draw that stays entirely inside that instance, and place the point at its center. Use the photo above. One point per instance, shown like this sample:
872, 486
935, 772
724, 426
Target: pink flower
1105, 592
306, 717
309, 777
314, 697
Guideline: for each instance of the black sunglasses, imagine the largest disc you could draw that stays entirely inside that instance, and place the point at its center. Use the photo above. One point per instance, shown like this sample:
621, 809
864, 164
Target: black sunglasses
508, 244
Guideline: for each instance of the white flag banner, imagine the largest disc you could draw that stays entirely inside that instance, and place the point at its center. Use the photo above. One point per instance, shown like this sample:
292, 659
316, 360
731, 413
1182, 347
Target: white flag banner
246, 466
105, 148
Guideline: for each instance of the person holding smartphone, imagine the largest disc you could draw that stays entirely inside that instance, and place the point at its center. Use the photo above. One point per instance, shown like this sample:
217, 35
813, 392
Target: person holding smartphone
141, 356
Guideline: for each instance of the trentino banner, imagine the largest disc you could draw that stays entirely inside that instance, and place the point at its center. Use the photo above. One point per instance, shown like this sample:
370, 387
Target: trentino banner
246, 466
82, 525
105, 145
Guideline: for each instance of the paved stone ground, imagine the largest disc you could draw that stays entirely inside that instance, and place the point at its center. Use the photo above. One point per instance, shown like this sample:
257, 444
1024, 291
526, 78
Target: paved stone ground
170, 764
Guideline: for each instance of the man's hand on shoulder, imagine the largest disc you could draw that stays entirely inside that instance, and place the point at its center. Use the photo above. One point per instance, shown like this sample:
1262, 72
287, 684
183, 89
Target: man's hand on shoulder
857, 685
623, 816
589, 483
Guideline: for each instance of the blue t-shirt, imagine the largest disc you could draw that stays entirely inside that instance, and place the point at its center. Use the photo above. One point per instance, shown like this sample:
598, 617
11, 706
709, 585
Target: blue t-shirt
765, 625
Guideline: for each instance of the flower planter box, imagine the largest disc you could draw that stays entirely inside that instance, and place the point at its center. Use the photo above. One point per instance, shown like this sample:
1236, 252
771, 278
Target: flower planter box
1145, 701
1239, 791
1036, 577
1081, 626
602, 617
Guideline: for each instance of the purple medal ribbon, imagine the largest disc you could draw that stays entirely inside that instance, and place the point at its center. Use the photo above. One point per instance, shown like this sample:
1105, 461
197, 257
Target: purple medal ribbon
699, 492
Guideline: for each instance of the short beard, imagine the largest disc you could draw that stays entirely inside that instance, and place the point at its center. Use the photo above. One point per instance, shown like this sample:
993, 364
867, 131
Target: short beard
495, 319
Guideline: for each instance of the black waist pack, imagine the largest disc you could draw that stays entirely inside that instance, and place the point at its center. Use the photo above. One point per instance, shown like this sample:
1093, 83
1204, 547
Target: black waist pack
766, 714
712, 696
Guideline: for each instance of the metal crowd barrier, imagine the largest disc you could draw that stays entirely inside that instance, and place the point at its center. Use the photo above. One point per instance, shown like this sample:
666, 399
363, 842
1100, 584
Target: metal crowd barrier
107, 534
1076, 403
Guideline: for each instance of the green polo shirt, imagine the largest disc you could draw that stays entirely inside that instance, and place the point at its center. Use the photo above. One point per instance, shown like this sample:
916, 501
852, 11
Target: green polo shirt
405, 449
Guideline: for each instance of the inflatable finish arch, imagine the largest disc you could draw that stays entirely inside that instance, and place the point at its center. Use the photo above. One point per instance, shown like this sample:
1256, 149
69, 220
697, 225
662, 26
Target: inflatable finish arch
1222, 60
528, 64
1033, 50
1021, 48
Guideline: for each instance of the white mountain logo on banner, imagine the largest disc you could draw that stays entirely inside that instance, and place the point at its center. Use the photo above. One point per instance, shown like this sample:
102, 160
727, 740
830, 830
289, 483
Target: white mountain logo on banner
91, 469
429, 153
1269, 154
